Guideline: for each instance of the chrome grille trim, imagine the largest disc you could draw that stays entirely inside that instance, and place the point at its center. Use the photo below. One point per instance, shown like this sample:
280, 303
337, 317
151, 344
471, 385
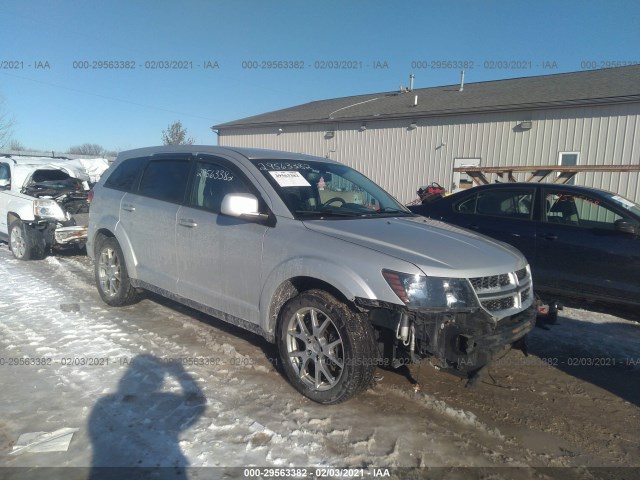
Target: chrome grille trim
505, 294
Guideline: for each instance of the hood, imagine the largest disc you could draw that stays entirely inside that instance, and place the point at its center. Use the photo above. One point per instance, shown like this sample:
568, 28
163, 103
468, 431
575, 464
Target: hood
437, 248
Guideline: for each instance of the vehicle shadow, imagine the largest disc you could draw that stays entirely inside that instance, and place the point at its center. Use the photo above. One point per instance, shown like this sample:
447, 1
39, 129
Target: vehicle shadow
604, 354
135, 431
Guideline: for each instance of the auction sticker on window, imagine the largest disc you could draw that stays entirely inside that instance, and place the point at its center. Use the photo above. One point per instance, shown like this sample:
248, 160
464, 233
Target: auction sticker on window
622, 201
290, 179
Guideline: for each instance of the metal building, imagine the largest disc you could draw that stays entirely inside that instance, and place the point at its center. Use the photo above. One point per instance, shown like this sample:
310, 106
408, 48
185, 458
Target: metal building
406, 139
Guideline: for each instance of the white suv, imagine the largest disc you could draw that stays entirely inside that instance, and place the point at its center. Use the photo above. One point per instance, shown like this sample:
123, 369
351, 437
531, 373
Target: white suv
311, 255
43, 202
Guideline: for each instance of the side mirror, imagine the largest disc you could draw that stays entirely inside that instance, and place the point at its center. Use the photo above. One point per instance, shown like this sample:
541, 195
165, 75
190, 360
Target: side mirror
627, 225
242, 205
5, 184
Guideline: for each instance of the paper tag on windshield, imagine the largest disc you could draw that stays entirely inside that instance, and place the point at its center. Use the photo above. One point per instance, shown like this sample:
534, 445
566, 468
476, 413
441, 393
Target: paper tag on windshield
290, 179
622, 201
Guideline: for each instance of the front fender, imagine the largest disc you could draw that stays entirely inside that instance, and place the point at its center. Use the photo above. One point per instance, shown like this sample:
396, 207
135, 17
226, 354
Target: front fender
22, 209
113, 227
341, 277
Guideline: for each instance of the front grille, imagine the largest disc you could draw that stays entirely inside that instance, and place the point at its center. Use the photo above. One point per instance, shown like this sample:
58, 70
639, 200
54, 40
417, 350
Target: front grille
493, 281
496, 305
504, 294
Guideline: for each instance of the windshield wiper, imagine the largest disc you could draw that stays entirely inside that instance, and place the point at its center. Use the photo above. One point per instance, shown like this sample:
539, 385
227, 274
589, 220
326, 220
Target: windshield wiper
328, 213
392, 210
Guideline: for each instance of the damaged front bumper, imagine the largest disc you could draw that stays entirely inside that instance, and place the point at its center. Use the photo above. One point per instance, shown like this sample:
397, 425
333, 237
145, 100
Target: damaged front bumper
70, 235
466, 342
460, 342
55, 233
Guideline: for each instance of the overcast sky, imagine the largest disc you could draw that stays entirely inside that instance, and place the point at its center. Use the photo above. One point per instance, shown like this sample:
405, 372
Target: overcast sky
208, 62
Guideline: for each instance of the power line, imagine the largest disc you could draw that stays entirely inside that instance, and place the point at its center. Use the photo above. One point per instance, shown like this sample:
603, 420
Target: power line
107, 97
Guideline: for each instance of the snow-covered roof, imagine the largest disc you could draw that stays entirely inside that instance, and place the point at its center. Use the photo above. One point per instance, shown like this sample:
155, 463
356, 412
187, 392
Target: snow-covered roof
86, 169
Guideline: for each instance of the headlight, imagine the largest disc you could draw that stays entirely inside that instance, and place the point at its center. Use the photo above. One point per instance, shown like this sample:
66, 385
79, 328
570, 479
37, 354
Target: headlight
431, 292
49, 209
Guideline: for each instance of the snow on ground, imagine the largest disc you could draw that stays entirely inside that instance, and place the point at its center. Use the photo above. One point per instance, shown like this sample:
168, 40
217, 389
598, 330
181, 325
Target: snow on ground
157, 384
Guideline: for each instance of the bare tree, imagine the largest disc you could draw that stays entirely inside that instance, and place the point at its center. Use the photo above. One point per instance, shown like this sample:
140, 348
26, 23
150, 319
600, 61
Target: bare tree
87, 149
6, 125
176, 135
16, 146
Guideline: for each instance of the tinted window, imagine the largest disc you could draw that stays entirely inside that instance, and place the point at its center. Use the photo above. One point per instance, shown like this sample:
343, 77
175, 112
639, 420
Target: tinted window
5, 173
505, 203
212, 182
165, 180
468, 205
125, 174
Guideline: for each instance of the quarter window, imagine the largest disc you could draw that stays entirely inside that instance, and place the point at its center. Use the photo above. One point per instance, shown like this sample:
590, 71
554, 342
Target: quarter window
165, 180
125, 174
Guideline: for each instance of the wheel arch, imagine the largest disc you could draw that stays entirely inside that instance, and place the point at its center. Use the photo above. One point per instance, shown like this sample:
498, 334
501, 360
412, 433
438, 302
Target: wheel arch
123, 241
302, 276
12, 217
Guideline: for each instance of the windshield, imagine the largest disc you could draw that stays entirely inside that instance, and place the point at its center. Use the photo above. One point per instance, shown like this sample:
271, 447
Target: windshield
319, 190
626, 204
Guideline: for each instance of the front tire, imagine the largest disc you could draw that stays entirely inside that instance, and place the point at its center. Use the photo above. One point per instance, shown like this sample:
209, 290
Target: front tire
24, 243
111, 275
327, 350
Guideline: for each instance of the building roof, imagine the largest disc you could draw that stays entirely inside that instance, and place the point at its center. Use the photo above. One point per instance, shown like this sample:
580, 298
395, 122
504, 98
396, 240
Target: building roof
611, 85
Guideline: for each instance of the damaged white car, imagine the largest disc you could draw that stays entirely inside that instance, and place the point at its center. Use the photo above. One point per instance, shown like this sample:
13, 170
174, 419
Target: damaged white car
44, 202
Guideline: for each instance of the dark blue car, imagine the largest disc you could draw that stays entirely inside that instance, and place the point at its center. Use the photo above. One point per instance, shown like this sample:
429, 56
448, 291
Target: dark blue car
580, 242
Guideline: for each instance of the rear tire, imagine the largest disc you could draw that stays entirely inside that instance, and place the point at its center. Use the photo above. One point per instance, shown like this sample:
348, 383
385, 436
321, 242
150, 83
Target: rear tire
327, 350
25, 244
112, 278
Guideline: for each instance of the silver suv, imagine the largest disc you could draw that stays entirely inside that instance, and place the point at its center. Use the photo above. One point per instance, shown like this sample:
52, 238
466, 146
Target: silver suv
309, 254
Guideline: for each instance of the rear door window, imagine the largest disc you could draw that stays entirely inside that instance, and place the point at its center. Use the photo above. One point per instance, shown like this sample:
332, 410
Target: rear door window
511, 203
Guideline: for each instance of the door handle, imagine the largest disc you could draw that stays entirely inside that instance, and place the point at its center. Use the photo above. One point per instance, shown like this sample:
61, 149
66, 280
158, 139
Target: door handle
187, 222
474, 227
551, 236
128, 207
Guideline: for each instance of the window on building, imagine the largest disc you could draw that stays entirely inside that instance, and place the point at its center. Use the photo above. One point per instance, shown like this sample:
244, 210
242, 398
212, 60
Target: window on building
569, 159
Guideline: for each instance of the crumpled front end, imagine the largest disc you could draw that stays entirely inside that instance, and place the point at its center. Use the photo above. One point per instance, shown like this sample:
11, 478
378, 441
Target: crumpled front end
465, 342
461, 337
64, 224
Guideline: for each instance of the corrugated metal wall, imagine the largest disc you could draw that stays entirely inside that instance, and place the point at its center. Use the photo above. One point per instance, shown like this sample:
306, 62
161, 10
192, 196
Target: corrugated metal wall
402, 159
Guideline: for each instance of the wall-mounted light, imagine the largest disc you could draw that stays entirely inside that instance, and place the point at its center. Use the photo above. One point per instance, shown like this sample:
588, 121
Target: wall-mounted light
526, 125
329, 134
413, 126
363, 127
280, 130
